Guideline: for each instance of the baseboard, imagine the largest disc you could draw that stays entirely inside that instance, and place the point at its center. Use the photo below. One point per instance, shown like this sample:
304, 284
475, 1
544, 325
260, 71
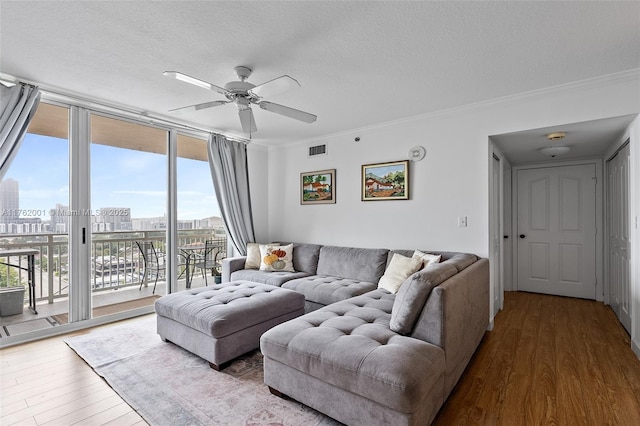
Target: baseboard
635, 347
490, 326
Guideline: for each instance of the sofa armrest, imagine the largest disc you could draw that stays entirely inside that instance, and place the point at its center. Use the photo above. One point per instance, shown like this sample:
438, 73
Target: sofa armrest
230, 265
456, 317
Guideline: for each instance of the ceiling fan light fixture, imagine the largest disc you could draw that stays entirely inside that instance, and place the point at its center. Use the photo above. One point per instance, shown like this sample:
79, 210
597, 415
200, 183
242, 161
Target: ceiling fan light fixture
243, 94
553, 151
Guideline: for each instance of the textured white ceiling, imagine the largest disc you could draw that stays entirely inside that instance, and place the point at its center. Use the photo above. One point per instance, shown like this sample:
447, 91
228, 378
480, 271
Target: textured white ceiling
589, 139
359, 63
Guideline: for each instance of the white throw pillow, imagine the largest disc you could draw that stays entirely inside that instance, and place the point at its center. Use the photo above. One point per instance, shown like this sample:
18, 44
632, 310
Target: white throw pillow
253, 256
399, 269
276, 258
428, 259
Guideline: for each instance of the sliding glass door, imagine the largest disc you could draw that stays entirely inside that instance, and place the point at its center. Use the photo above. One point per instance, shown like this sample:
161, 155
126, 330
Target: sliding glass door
198, 220
34, 216
128, 214
119, 212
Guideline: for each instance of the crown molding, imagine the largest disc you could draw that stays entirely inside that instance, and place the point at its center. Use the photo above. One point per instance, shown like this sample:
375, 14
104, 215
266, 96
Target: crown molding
591, 83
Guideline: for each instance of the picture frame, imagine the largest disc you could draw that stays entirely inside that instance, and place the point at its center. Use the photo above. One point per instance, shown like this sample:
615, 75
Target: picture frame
385, 181
318, 187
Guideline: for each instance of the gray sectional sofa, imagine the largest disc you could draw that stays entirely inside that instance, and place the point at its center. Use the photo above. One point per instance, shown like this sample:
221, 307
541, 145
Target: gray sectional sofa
361, 354
324, 274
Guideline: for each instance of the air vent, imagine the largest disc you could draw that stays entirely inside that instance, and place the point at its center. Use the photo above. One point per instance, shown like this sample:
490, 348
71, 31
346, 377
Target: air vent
317, 150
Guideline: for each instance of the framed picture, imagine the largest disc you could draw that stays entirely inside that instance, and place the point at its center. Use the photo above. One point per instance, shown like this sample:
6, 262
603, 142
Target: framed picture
385, 181
318, 187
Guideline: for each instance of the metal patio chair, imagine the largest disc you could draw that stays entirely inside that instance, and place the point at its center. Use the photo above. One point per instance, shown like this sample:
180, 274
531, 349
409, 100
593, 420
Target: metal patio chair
210, 258
154, 263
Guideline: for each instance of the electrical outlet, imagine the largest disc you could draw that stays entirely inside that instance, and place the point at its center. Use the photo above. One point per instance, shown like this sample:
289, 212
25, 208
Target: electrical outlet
462, 222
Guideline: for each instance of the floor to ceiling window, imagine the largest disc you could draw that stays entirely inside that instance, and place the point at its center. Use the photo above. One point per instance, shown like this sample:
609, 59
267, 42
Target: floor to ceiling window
34, 215
202, 239
129, 166
128, 214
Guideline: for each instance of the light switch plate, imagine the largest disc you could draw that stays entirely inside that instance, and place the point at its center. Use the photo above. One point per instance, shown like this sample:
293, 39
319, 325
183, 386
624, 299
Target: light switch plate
462, 222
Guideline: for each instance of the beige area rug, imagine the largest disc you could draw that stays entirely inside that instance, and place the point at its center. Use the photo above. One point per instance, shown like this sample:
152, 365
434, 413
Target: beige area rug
112, 309
168, 385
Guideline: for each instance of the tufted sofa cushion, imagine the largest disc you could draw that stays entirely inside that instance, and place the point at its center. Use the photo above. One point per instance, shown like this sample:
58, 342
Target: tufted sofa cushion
275, 278
223, 309
326, 290
349, 345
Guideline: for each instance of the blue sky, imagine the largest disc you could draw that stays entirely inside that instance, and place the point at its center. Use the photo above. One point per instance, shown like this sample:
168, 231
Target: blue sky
382, 171
119, 178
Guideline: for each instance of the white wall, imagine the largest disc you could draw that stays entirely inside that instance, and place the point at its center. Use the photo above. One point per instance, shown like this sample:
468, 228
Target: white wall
451, 181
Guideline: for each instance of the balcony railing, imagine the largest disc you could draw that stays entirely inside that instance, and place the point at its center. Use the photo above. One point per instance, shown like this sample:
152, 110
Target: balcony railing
116, 261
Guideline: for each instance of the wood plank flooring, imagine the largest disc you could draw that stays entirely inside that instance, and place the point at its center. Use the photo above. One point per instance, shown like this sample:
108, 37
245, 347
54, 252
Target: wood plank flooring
46, 383
549, 361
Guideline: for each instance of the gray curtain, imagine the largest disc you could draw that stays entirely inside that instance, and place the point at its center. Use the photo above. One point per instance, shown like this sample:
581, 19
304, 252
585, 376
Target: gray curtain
19, 104
228, 162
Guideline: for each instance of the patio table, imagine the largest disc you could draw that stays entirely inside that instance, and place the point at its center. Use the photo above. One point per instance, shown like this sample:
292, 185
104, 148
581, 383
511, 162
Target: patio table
31, 270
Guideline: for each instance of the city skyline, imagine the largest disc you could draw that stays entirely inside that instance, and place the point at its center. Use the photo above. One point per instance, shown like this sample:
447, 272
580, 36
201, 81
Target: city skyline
119, 178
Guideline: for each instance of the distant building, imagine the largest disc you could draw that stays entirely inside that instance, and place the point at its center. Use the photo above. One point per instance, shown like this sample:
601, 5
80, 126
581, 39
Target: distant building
118, 218
9, 201
60, 218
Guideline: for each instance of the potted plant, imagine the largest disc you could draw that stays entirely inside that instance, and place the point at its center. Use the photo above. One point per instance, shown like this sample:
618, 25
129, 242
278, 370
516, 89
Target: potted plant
11, 293
217, 275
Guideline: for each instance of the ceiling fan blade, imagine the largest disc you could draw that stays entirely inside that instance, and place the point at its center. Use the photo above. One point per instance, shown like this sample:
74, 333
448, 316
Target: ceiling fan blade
275, 86
247, 121
195, 81
198, 107
289, 112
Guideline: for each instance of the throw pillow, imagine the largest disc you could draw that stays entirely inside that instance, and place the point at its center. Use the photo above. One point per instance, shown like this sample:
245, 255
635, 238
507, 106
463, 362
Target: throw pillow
428, 259
253, 256
253, 259
413, 294
399, 269
276, 258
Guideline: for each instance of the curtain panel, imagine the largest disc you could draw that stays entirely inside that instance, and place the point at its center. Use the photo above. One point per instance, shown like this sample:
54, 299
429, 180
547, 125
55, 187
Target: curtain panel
230, 174
19, 104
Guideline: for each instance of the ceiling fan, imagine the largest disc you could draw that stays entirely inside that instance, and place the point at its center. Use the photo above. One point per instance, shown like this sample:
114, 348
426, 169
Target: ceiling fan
243, 94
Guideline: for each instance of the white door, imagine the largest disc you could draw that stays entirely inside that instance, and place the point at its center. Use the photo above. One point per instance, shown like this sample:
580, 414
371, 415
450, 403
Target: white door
619, 236
557, 230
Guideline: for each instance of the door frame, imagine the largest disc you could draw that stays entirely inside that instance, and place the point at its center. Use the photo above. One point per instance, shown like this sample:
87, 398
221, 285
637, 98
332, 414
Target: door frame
496, 280
599, 217
496, 283
607, 227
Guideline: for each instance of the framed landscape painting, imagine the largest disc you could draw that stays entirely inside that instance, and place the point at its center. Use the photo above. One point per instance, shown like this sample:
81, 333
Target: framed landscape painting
385, 181
318, 187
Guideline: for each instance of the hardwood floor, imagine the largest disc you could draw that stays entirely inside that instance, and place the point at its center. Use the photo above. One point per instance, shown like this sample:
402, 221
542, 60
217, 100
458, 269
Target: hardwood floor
549, 361
46, 383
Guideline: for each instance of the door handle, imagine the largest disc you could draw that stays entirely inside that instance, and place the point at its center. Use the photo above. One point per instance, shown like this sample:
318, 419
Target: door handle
505, 237
522, 235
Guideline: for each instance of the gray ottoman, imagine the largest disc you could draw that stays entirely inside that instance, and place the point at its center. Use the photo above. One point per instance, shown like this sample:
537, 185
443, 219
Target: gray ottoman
223, 321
